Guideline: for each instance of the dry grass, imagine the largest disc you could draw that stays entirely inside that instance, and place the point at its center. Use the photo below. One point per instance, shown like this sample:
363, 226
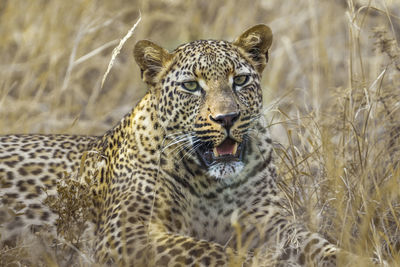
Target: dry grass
331, 91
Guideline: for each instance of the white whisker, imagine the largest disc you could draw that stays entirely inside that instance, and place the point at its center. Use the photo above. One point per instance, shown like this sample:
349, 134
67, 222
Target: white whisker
192, 149
177, 141
180, 147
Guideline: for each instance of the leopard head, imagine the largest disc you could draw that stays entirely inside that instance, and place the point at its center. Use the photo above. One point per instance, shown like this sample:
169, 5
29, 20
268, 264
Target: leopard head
209, 96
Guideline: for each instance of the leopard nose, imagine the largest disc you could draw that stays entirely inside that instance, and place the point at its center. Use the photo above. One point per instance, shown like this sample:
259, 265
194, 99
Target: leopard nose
226, 120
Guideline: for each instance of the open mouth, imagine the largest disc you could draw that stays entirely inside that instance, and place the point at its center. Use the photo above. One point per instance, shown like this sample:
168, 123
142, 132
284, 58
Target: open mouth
229, 150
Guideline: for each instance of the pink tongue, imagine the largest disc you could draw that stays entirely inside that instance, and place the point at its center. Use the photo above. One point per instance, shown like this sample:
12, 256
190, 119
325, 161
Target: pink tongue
226, 147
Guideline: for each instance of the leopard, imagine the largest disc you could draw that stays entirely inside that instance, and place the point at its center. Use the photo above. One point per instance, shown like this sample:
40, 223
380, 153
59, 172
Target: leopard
187, 178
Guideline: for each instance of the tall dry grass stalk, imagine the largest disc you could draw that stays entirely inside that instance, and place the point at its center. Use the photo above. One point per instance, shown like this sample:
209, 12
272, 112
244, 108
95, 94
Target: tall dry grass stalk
331, 92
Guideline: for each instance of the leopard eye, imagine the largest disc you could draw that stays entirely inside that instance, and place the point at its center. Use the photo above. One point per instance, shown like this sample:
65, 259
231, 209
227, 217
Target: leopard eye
240, 80
191, 86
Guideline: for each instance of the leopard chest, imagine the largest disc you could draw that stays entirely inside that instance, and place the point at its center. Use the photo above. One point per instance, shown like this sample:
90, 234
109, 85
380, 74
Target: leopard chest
210, 219
213, 217
208, 209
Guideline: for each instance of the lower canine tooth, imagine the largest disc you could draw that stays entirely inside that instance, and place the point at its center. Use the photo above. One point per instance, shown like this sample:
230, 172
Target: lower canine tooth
216, 154
235, 147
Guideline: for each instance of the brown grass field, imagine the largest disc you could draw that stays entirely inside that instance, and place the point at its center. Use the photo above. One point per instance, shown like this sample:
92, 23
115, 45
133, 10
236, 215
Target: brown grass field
331, 95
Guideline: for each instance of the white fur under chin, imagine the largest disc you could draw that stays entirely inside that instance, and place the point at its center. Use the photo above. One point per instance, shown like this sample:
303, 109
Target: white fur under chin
226, 171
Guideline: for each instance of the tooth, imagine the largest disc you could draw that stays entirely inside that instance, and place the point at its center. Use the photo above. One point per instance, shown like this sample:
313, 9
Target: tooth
235, 146
216, 154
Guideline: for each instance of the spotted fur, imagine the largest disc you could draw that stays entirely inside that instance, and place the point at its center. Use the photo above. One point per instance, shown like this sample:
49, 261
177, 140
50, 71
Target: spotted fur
160, 197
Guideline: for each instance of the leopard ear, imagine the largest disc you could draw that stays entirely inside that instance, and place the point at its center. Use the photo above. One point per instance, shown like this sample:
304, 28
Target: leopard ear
151, 59
255, 42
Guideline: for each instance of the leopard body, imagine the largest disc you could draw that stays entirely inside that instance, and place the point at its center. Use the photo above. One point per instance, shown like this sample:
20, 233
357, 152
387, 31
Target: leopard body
186, 178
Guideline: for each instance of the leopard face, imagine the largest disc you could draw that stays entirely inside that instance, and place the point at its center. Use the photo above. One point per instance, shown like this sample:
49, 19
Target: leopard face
209, 96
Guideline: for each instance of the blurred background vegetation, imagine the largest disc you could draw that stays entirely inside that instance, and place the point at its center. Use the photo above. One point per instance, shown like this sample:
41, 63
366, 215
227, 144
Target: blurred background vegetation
331, 92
